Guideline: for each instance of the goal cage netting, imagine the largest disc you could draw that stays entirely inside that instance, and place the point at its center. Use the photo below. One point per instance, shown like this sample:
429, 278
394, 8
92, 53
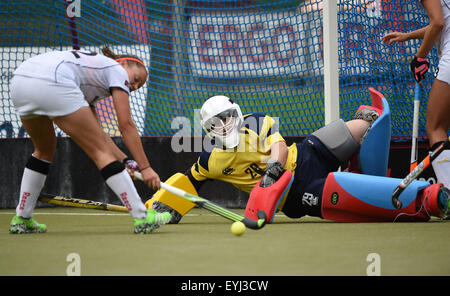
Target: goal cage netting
267, 55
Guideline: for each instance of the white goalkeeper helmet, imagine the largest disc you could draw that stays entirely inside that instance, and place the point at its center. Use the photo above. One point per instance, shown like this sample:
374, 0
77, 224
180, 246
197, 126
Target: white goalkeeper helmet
222, 119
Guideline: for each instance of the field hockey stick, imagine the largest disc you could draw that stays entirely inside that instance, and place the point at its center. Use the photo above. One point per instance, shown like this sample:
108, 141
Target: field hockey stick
422, 166
415, 129
79, 203
212, 207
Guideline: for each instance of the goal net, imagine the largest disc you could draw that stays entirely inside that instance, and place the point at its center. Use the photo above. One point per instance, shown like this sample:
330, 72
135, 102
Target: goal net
267, 55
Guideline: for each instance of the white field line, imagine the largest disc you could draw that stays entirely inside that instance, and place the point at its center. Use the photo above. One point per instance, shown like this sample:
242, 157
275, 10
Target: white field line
101, 214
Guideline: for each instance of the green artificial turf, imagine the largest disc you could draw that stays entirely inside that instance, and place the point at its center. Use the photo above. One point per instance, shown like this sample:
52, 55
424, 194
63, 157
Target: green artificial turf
202, 244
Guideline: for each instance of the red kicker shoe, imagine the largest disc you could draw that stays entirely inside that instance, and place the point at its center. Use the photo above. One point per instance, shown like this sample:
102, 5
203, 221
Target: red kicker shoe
434, 200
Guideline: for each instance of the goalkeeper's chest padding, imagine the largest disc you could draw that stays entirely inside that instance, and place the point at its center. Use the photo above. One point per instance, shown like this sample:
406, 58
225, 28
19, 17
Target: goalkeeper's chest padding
177, 203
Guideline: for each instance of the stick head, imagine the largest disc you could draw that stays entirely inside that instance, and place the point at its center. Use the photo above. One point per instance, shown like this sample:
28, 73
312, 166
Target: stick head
256, 224
396, 203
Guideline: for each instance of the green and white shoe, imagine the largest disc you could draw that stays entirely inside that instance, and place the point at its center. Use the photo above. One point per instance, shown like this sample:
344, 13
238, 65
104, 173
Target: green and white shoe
21, 225
151, 222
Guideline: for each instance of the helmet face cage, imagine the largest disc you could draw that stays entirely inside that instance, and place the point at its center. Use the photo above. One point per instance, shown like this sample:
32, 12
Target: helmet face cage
224, 127
222, 119
222, 124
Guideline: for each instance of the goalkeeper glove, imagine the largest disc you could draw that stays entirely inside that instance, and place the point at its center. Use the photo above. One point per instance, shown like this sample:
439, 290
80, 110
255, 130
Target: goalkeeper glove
274, 170
419, 67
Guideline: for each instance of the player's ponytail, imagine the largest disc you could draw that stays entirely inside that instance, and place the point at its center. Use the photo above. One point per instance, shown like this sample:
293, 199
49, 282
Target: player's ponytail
130, 59
109, 53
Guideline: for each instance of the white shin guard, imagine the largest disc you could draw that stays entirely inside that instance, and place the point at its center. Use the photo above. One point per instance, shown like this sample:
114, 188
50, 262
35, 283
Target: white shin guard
30, 188
123, 186
441, 167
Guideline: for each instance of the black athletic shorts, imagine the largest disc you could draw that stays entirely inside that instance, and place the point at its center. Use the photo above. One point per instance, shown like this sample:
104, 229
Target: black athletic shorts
314, 163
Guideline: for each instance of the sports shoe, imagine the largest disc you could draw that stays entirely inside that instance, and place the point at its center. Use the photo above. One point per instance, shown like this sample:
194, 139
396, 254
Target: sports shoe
368, 114
21, 225
160, 208
151, 222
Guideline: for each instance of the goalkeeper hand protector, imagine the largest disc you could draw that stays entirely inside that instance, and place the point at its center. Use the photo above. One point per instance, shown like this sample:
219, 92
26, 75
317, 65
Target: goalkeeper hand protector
274, 170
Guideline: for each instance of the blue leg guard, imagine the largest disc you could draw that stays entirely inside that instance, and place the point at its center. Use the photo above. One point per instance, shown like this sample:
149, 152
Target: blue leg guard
374, 151
349, 197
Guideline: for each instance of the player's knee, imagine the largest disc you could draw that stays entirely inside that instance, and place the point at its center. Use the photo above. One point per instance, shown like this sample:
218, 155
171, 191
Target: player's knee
358, 128
337, 137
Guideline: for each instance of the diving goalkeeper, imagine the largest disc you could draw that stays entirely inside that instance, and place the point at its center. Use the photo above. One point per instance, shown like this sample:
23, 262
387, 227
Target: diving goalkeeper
301, 179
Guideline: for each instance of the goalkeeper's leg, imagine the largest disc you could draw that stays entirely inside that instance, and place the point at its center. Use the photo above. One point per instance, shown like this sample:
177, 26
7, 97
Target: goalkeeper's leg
163, 200
349, 197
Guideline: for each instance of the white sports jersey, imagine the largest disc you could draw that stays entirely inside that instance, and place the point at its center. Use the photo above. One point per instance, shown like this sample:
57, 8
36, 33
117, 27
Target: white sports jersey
93, 73
444, 42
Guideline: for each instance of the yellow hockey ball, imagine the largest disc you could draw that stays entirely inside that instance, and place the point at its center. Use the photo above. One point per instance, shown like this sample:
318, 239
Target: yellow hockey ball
238, 228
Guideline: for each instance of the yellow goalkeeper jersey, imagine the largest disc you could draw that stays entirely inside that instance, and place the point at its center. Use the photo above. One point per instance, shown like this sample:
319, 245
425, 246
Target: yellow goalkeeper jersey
244, 165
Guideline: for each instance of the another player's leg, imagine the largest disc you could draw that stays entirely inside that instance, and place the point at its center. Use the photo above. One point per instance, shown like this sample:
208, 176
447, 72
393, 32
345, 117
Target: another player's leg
42, 133
438, 122
84, 129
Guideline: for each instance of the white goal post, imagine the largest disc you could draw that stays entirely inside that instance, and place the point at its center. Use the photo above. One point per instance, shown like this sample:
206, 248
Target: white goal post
331, 67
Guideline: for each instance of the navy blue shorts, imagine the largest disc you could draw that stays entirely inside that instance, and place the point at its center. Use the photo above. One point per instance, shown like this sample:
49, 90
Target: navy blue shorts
314, 163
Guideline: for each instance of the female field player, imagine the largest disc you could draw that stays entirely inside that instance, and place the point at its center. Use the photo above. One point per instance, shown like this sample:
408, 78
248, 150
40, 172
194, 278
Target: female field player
438, 106
62, 87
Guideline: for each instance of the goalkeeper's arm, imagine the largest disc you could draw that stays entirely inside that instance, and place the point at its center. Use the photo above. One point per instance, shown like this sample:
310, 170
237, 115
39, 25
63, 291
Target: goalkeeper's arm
279, 152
